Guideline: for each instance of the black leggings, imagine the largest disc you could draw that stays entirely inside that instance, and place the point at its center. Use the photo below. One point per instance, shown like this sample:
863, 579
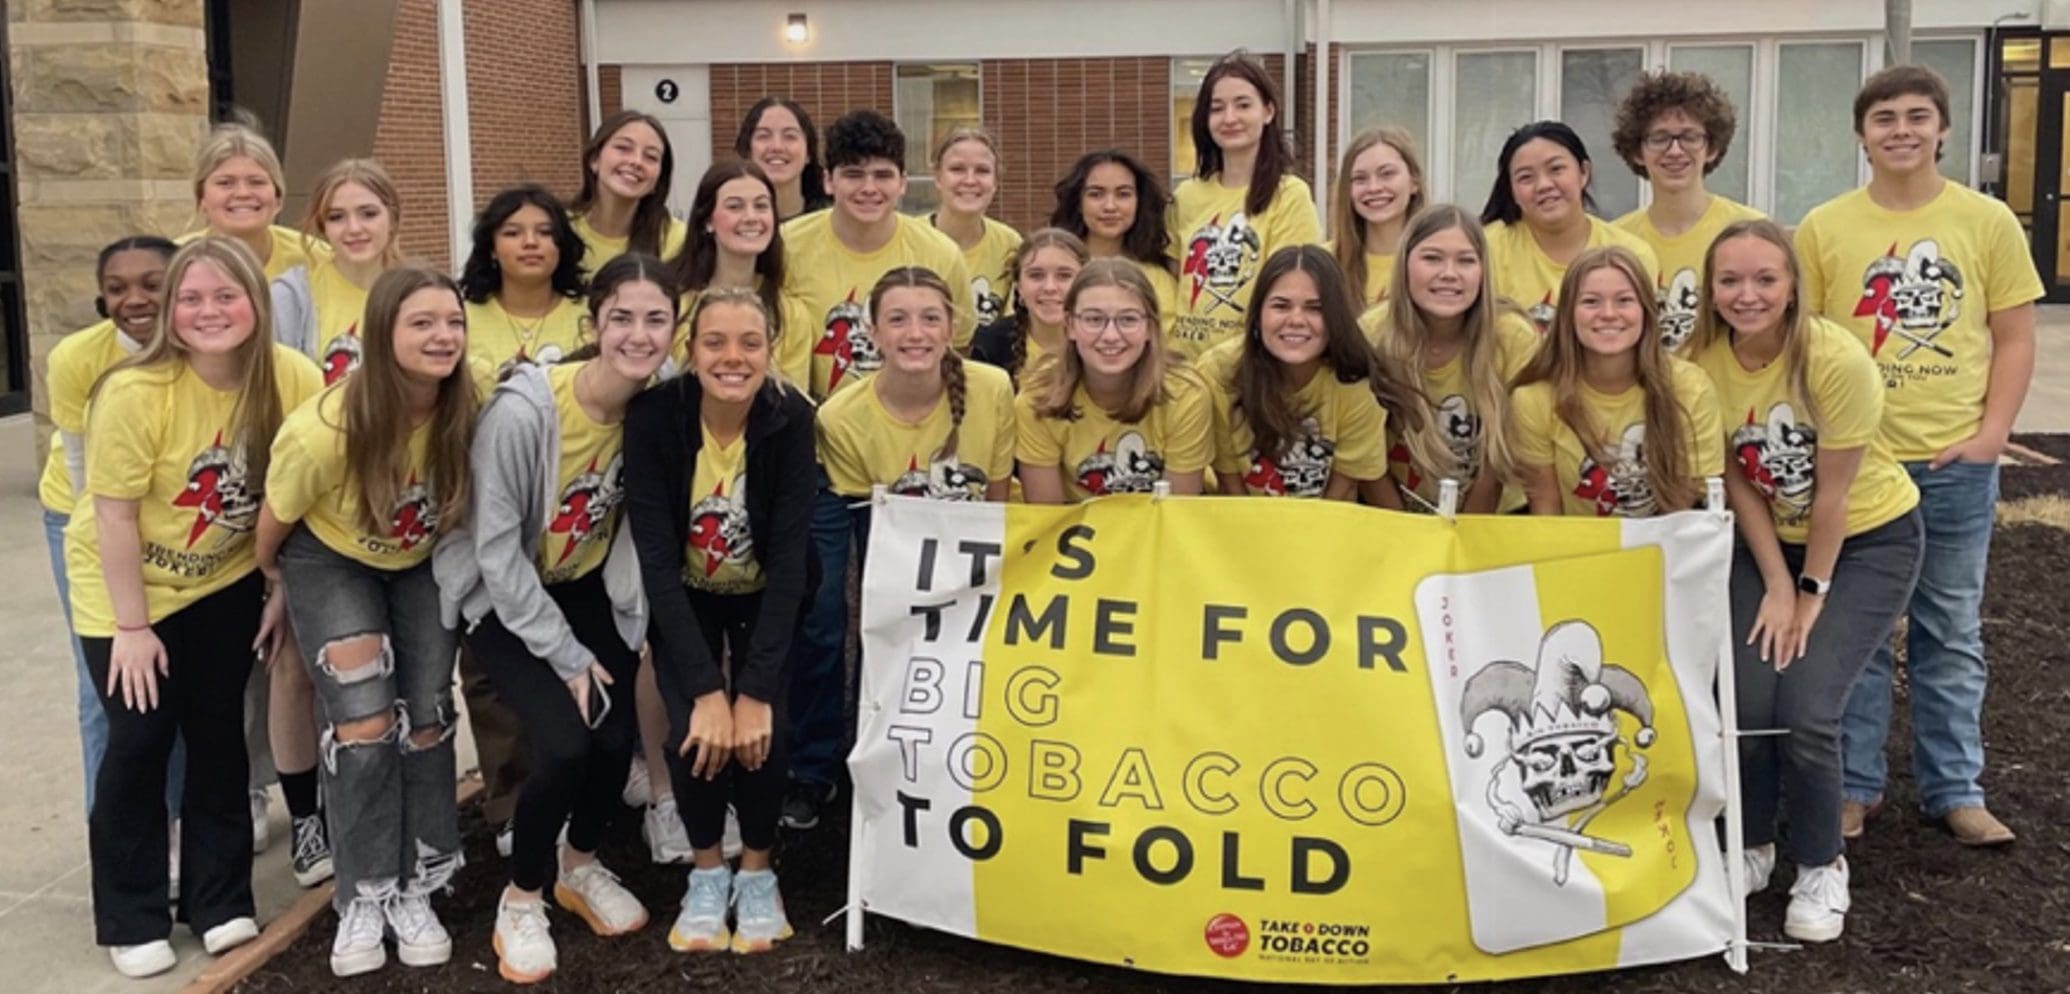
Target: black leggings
208, 650
756, 795
575, 773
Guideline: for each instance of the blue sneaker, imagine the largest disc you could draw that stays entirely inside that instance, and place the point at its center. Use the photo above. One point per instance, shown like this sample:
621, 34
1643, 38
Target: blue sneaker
759, 923
701, 925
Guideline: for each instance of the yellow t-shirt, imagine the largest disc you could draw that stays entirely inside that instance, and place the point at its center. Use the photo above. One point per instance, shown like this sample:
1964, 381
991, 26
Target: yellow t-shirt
291, 248
1916, 287
589, 483
1099, 455
862, 443
719, 556
835, 285
75, 363
792, 352
599, 249
1344, 432
1679, 279
157, 436
1379, 275
1776, 445
1452, 404
990, 263
1590, 488
1220, 248
1529, 277
340, 306
505, 342
308, 481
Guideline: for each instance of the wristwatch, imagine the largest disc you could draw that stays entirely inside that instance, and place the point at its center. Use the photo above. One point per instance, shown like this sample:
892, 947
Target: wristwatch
1808, 584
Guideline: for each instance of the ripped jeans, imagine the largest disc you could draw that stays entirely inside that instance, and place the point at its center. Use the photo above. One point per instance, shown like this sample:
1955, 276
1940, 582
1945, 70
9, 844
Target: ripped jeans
393, 822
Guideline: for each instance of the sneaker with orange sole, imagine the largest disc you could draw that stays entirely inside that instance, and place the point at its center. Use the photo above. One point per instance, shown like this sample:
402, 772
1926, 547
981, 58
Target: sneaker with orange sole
525, 952
595, 896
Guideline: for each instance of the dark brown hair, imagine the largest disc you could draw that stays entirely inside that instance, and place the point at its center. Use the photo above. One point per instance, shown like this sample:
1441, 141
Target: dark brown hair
1660, 91
1275, 150
693, 267
1146, 239
1904, 81
650, 215
377, 418
953, 377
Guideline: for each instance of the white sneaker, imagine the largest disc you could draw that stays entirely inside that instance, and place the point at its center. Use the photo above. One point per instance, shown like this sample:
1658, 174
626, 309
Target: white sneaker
420, 940
1818, 903
262, 836
503, 839
758, 918
701, 924
172, 862
667, 840
1760, 865
144, 960
525, 952
594, 894
358, 948
729, 844
229, 935
639, 790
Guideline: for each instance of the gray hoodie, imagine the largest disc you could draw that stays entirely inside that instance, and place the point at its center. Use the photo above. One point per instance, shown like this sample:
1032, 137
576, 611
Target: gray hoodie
490, 564
294, 311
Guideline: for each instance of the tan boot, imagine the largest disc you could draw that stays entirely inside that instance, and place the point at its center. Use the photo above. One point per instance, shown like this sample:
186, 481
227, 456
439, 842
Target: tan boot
1854, 816
1977, 827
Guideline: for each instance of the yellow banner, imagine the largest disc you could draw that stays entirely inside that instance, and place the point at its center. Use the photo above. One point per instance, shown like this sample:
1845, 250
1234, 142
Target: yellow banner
1299, 741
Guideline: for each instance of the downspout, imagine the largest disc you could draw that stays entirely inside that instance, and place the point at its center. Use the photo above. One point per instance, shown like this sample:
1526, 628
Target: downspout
590, 73
1322, 114
452, 102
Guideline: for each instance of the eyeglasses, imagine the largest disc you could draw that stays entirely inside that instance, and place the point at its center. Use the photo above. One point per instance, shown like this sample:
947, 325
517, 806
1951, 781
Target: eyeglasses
1127, 322
1689, 140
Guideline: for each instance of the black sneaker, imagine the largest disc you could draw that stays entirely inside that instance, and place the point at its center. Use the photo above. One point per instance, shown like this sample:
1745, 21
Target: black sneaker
312, 851
802, 802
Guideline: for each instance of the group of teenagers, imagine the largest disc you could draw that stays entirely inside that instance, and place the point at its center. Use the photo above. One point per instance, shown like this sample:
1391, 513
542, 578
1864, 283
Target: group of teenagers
615, 472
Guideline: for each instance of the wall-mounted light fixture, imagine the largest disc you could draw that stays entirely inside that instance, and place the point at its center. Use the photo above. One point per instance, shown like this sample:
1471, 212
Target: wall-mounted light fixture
794, 30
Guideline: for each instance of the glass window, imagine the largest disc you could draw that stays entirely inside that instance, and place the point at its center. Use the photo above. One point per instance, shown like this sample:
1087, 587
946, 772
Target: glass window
929, 101
1732, 68
1391, 88
1816, 154
1186, 77
1497, 93
2020, 53
1955, 58
1592, 80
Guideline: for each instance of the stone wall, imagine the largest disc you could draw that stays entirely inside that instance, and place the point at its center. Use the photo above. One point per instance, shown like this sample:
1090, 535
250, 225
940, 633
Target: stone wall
110, 97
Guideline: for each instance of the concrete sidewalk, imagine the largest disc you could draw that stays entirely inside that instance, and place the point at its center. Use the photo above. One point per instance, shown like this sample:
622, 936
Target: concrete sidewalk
46, 932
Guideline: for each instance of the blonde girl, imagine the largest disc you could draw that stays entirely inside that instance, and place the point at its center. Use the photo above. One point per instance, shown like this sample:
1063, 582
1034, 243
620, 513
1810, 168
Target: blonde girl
966, 177
1112, 413
317, 306
237, 191
1043, 267
1379, 188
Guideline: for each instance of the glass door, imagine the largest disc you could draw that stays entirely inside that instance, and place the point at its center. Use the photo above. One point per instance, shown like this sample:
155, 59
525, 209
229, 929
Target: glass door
2032, 119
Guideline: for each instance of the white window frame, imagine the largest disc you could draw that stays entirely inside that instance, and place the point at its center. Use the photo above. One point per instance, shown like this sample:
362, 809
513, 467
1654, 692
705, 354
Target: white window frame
1758, 141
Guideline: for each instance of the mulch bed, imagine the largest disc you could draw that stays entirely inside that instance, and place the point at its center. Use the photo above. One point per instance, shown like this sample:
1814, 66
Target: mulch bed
1930, 917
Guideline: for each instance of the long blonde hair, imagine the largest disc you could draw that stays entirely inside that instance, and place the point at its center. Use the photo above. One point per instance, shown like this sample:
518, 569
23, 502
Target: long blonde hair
1795, 328
257, 415
1055, 380
1405, 334
365, 173
377, 418
1560, 360
1344, 220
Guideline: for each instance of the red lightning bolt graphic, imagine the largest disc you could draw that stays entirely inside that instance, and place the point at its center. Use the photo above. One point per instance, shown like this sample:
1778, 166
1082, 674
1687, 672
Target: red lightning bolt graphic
1876, 300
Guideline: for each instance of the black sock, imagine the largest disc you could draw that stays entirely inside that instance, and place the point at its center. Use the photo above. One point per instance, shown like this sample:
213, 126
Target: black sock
300, 791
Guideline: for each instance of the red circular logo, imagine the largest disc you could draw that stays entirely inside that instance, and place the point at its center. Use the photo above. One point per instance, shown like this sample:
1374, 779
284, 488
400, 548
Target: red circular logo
1228, 936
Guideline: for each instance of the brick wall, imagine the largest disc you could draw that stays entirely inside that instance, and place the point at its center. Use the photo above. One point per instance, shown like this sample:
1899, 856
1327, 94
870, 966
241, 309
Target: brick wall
610, 90
825, 89
409, 137
1048, 112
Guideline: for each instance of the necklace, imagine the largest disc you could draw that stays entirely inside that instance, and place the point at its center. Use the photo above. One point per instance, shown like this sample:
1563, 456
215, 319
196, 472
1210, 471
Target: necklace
526, 333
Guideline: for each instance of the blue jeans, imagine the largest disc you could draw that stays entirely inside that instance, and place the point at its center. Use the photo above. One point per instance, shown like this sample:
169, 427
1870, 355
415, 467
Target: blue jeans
1944, 649
819, 671
93, 722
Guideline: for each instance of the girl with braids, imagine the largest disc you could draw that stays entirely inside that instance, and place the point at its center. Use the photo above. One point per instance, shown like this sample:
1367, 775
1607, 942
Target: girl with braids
721, 484
1112, 413
1302, 415
1605, 422
546, 584
777, 135
623, 206
363, 478
736, 243
1116, 205
930, 423
966, 177
1379, 188
1043, 267
1827, 518
1458, 346
168, 602
1242, 204
523, 282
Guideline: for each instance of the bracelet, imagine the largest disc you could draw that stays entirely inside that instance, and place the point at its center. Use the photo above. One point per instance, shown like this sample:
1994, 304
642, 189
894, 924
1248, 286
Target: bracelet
120, 627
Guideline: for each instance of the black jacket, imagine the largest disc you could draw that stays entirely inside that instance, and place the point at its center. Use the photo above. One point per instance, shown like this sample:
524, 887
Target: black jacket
662, 436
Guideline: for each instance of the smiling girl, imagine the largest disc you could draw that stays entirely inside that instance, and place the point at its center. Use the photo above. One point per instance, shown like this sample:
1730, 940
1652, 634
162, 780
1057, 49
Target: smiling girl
1043, 268
777, 135
168, 601
1379, 188
735, 243
1605, 422
1116, 205
966, 176
363, 478
523, 282
1539, 222
317, 306
237, 191
1112, 414
623, 206
1242, 204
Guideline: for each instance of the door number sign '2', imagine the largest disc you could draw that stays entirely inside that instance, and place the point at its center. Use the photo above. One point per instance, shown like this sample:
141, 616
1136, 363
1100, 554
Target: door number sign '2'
666, 91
